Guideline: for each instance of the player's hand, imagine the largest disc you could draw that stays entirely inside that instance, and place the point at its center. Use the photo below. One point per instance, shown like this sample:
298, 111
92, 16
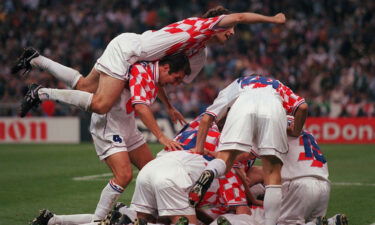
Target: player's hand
279, 18
175, 116
170, 144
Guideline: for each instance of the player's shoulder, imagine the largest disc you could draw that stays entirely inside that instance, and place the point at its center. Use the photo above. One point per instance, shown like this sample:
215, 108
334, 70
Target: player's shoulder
141, 67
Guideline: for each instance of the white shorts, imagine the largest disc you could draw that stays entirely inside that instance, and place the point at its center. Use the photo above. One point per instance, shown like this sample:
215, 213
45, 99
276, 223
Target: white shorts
256, 218
123, 51
256, 121
162, 186
115, 131
303, 200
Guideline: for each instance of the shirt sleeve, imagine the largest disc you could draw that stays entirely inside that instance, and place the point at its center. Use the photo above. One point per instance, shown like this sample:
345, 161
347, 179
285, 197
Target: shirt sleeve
290, 100
197, 62
224, 100
214, 21
139, 85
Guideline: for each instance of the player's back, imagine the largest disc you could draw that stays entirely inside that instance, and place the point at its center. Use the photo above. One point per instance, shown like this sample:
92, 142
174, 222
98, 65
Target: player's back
304, 159
189, 35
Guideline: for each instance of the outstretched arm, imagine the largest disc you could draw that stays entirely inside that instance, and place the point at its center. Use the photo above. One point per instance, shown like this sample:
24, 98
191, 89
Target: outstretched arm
145, 114
248, 18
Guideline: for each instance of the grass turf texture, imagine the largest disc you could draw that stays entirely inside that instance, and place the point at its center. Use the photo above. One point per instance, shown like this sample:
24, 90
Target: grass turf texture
35, 176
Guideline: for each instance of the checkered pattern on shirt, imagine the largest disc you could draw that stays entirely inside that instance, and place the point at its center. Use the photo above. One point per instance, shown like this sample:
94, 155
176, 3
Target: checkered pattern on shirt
231, 192
188, 136
142, 84
199, 30
290, 100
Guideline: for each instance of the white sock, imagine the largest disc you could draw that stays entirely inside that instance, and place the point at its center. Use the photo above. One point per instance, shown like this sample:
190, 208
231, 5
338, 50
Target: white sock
77, 98
218, 166
332, 220
272, 204
66, 74
70, 219
110, 194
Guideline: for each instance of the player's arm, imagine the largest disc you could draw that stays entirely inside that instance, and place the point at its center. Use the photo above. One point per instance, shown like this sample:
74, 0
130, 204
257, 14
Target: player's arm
145, 114
173, 113
204, 126
248, 18
250, 198
299, 120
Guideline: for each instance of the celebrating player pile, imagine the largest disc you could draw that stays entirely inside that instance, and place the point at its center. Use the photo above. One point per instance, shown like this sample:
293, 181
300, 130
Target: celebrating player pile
127, 78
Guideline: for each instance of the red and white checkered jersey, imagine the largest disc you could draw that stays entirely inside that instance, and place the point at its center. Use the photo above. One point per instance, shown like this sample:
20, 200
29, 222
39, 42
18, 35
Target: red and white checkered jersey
188, 136
230, 192
143, 84
189, 36
289, 100
304, 159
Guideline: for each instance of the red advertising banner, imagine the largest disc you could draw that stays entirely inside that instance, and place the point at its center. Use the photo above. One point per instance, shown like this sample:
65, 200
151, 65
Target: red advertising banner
342, 130
39, 130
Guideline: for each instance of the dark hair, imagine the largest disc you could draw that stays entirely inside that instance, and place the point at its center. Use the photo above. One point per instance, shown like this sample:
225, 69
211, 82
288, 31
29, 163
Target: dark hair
177, 62
216, 11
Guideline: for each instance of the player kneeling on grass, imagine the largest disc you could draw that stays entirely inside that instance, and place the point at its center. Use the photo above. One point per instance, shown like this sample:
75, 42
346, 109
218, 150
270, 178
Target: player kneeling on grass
162, 185
117, 140
305, 184
257, 118
305, 188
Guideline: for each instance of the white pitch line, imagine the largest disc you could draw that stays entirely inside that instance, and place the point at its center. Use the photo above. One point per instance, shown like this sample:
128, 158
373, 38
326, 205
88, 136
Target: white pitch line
352, 184
92, 177
98, 176
103, 175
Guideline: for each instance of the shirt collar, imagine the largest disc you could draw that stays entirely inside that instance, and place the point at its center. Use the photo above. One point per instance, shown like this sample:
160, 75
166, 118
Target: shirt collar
155, 71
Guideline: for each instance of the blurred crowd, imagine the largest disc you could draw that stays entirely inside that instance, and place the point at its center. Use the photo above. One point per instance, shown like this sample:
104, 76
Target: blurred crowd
325, 52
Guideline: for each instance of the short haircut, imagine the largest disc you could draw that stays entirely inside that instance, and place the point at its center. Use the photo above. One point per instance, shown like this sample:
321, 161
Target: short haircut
216, 11
177, 62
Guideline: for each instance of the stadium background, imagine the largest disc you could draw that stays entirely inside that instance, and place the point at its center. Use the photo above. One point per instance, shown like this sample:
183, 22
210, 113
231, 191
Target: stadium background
325, 53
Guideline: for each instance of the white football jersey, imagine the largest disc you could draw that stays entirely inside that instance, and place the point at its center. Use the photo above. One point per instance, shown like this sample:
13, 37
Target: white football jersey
228, 95
304, 159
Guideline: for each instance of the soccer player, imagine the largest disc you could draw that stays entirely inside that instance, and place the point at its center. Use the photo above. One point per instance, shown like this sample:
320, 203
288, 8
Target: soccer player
305, 184
120, 146
257, 121
161, 186
102, 87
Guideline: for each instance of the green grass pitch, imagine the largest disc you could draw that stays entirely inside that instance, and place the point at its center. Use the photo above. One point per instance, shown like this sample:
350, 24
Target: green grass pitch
34, 176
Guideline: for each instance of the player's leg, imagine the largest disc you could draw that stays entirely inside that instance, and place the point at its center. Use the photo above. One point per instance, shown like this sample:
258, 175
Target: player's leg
101, 102
144, 201
140, 156
31, 58
89, 83
121, 168
272, 180
108, 92
46, 217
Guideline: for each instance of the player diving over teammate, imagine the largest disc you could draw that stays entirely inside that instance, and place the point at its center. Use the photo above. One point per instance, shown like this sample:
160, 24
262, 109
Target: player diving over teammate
99, 90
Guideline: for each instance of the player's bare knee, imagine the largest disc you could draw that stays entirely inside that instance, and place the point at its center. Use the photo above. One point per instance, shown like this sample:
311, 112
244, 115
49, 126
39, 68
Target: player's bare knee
124, 177
99, 105
81, 84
